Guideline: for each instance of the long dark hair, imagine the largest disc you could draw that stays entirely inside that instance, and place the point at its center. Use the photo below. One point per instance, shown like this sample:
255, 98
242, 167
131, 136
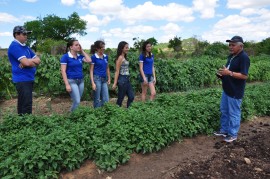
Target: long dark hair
144, 49
97, 45
70, 43
120, 48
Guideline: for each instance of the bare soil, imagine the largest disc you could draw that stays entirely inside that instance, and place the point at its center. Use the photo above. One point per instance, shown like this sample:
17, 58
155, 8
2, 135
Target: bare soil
198, 157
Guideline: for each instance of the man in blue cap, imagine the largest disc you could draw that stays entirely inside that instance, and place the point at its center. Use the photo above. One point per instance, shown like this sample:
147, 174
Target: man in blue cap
23, 61
233, 77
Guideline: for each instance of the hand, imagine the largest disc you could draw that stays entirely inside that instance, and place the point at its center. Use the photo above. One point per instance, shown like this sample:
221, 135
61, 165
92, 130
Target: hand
224, 71
94, 86
114, 86
144, 81
80, 50
68, 88
154, 81
109, 81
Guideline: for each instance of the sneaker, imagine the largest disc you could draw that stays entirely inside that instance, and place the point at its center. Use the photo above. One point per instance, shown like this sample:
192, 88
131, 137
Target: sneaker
219, 133
230, 138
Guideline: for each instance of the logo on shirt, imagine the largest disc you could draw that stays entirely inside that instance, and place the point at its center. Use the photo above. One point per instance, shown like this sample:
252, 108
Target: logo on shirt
80, 60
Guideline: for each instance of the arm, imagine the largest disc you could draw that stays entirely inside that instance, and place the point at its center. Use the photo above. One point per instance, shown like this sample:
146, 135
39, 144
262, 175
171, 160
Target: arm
64, 75
109, 75
225, 71
142, 73
117, 71
154, 75
87, 58
26, 62
92, 76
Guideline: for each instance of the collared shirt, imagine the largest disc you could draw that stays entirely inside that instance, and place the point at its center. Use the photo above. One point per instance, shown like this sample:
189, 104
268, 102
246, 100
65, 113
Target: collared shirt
16, 52
100, 65
148, 63
74, 65
240, 64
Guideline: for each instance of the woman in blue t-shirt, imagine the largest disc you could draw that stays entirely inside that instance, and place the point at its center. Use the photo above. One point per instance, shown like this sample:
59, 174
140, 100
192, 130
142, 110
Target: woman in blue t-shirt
147, 71
100, 74
72, 71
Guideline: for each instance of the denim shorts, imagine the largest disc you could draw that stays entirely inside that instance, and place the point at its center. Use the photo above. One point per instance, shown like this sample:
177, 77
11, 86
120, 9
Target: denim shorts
149, 78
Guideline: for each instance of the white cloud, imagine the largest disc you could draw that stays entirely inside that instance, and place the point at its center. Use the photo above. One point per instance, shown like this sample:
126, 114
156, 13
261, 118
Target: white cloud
171, 28
171, 12
103, 7
236, 4
140, 29
30, 1
93, 21
68, 2
250, 28
205, 7
84, 4
27, 18
128, 32
5, 34
165, 38
93, 29
5, 17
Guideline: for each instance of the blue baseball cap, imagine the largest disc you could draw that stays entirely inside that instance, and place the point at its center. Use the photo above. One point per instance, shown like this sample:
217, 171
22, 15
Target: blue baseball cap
236, 39
21, 29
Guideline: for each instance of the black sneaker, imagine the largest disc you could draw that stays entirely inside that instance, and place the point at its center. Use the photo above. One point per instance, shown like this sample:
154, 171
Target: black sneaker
219, 133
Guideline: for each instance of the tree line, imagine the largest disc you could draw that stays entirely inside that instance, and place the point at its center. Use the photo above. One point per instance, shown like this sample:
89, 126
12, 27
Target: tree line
52, 32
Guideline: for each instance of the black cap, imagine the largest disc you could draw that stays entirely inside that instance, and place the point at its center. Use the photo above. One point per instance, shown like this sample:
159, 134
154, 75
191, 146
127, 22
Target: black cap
21, 29
236, 39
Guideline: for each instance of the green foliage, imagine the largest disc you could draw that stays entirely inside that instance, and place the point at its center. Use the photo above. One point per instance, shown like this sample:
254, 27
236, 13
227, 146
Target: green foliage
137, 46
264, 46
172, 74
54, 27
176, 44
42, 146
51, 46
217, 49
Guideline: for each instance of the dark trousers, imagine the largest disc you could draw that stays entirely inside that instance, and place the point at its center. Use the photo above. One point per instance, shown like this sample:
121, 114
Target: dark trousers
25, 98
124, 88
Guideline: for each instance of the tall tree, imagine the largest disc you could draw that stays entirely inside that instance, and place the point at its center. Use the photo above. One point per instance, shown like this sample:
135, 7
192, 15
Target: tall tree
176, 45
56, 28
153, 41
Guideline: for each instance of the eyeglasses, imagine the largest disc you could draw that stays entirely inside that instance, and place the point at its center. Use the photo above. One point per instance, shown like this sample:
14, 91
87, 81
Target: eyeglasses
24, 34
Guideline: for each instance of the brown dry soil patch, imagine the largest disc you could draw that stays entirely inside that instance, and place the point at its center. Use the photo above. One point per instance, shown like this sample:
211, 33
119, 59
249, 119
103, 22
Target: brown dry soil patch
198, 157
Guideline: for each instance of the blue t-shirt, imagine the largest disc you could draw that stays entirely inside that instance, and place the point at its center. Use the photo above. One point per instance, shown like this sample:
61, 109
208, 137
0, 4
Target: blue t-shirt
74, 66
16, 52
100, 65
235, 87
148, 63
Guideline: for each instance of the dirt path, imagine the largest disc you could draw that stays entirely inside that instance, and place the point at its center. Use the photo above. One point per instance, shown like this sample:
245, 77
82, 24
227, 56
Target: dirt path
198, 157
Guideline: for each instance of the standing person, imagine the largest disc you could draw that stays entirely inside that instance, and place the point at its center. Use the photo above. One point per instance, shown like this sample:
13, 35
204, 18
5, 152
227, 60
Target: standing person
147, 71
23, 61
233, 77
122, 78
72, 71
100, 74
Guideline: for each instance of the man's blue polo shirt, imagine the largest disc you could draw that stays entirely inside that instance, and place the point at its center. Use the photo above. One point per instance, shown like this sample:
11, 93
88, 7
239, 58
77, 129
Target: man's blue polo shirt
16, 52
235, 87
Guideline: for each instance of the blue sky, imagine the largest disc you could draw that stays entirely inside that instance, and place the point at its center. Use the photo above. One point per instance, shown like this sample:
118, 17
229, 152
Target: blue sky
117, 20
